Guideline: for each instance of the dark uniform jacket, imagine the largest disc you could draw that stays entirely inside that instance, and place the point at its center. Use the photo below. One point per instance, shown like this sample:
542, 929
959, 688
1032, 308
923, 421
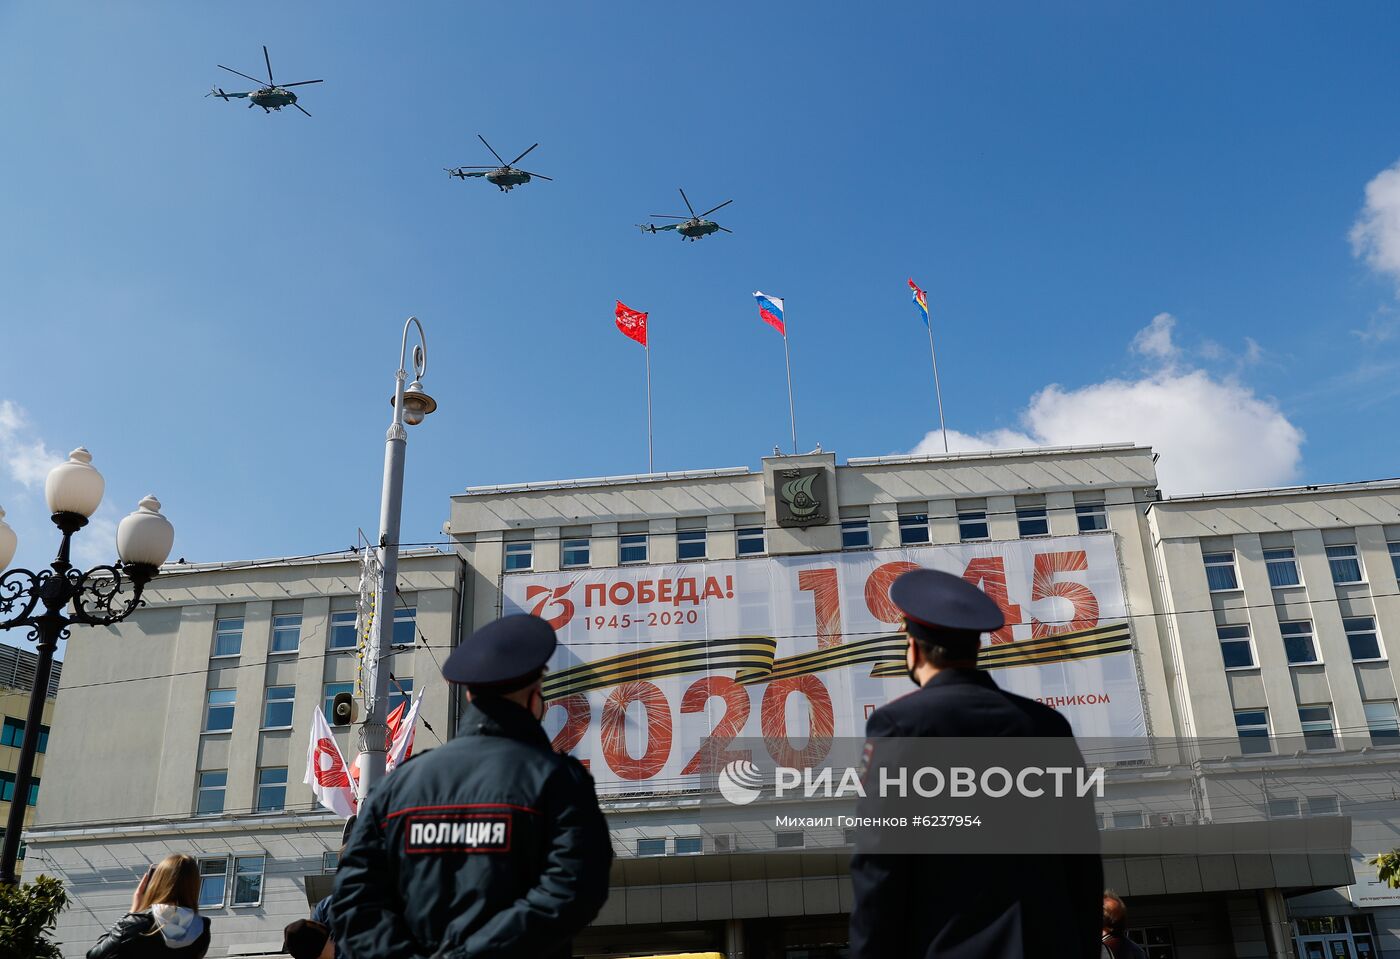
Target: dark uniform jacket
967, 906
491, 846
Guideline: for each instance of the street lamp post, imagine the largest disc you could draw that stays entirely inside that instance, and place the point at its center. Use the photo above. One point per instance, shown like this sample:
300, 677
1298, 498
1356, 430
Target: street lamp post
411, 404
48, 602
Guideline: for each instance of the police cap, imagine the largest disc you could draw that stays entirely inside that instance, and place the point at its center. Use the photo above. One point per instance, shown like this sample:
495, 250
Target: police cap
511, 649
944, 601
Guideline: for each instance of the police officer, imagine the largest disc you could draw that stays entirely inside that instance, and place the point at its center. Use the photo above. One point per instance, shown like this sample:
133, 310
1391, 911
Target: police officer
491, 846
965, 905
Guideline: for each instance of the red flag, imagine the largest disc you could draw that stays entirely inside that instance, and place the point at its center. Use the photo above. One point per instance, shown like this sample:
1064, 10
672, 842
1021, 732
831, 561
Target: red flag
632, 323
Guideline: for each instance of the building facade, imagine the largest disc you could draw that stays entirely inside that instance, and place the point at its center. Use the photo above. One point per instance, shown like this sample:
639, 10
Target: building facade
193, 722
711, 613
16, 682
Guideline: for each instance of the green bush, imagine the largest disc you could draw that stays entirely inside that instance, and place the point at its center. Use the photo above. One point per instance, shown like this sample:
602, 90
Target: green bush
28, 914
1388, 868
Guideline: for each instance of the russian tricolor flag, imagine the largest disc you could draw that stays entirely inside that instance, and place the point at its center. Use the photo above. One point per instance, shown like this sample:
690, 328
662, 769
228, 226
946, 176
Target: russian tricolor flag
770, 310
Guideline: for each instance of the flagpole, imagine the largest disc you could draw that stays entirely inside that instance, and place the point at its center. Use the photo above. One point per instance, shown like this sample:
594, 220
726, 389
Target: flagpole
937, 389
650, 467
792, 415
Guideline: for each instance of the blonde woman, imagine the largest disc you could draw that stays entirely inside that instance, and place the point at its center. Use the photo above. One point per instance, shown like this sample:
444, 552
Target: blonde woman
164, 920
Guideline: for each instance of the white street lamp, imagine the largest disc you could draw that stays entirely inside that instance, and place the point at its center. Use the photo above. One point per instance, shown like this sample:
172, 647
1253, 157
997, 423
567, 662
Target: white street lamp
411, 405
9, 542
75, 486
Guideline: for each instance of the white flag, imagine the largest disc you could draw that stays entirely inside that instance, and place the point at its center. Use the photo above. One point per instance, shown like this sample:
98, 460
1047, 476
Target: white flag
401, 742
326, 772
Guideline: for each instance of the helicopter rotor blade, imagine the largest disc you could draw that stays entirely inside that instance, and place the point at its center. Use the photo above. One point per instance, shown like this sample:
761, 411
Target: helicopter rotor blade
521, 157
301, 83
667, 216
539, 176
687, 202
725, 229
720, 207
268, 61
301, 108
492, 149
243, 75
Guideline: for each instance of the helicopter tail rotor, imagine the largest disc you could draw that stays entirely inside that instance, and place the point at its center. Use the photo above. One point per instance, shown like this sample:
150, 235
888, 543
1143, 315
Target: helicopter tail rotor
216, 92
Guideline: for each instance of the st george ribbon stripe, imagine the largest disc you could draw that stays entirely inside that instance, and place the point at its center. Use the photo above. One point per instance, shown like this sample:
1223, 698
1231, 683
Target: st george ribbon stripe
753, 658
673, 659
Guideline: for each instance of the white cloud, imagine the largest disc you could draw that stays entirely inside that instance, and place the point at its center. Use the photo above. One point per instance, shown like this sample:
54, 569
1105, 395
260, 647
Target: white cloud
1376, 234
23, 456
1155, 339
1213, 434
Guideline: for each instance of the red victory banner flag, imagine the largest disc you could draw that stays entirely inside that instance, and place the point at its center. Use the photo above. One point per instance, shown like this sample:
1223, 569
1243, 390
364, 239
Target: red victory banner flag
632, 323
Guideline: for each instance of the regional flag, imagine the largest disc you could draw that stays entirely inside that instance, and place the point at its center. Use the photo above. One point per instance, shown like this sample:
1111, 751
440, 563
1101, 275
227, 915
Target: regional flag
632, 323
920, 299
770, 310
401, 730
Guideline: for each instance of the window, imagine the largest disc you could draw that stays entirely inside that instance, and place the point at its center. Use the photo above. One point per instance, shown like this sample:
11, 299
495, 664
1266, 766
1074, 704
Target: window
213, 881
855, 534
272, 789
972, 525
1361, 633
913, 528
286, 633
1220, 571
1156, 941
690, 544
1091, 516
247, 880
400, 690
1298, 642
7, 789
1032, 521
519, 556
1235, 646
1345, 563
1318, 732
750, 541
574, 553
1252, 725
330, 862
330, 691
1383, 722
277, 708
688, 845
789, 840
1128, 820
651, 847
1282, 566
1286, 808
633, 548
218, 717
13, 734
210, 798
344, 634
405, 626
1324, 806
1394, 558
228, 636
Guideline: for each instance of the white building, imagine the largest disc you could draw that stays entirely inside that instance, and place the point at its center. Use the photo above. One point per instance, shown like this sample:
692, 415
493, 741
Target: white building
699, 604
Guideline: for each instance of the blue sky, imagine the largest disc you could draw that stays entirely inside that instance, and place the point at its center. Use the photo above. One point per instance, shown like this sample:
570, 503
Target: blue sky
1151, 208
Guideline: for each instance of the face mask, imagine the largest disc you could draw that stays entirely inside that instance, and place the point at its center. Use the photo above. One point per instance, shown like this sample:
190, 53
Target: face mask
909, 670
538, 713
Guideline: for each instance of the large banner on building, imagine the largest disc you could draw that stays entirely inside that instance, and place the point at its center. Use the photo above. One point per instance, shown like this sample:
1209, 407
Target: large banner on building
661, 667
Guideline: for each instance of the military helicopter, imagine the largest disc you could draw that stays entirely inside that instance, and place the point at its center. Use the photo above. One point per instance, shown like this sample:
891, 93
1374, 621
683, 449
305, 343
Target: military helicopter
274, 96
506, 177
694, 227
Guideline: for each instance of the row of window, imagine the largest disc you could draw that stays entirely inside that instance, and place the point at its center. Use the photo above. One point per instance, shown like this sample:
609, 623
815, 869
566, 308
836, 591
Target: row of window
7, 788
855, 534
1319, 731
1344, 562
278, 700
1299, 646
247, 874
12, 734
286, 632
212, 790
